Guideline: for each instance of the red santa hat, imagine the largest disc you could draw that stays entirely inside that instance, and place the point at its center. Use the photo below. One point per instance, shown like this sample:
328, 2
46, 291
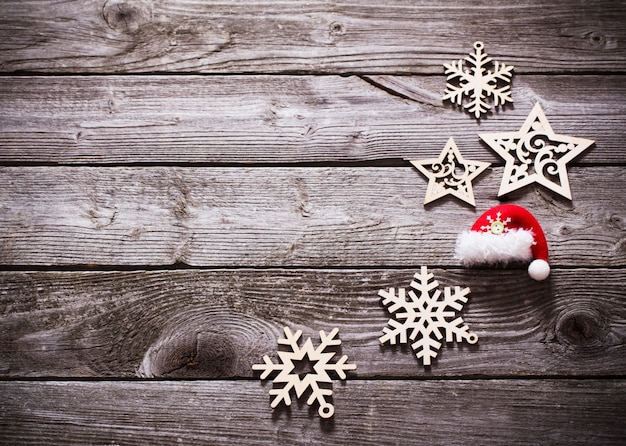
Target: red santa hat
502, 235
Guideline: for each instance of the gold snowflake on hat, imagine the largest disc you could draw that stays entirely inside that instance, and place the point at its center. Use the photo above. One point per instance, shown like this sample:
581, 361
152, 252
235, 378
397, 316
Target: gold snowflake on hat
496, 225
450, 174
535, 154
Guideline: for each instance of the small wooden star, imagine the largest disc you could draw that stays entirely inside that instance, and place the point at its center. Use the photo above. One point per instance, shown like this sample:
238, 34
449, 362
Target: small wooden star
450, 174
535, 154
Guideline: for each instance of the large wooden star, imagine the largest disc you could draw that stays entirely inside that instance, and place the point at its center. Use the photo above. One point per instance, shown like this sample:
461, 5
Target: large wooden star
450, 174
535, 154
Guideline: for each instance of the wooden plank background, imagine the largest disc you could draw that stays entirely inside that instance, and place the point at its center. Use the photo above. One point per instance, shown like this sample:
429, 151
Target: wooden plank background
180, 180
399, 36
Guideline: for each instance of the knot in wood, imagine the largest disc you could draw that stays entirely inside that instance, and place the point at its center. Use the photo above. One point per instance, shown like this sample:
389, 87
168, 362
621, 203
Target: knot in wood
337, 29
581, 327
565, 230
126, 15
596, 40
185, 354
616, 221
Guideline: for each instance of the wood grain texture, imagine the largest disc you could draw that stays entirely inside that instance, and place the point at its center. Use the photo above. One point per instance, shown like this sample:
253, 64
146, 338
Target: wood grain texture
271, 217
399, 36
503, 412
217, 323
181, 179
284, 119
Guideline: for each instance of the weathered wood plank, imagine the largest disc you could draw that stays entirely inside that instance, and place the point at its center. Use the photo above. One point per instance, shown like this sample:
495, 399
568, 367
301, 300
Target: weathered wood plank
284, 119
281, 216
398, 36
217, 323
451, 412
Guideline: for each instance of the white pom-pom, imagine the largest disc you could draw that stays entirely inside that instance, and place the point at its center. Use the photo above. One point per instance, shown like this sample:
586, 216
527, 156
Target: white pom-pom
539, 269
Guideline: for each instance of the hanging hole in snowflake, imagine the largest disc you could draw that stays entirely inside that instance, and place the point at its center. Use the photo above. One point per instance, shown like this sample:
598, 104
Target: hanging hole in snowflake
326, 410
472, 338
478, 45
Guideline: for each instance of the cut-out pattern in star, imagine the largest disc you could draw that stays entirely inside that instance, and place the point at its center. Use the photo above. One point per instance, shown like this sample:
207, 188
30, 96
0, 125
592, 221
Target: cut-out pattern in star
450, 174
535, 154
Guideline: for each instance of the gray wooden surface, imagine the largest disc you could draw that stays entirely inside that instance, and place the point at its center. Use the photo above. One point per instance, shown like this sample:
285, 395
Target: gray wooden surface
179, 180
398, 36
217, 323
451, 412
285, 119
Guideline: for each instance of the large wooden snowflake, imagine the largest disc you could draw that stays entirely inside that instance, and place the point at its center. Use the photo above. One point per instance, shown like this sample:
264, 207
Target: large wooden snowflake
422, 318
478, 82
301, 382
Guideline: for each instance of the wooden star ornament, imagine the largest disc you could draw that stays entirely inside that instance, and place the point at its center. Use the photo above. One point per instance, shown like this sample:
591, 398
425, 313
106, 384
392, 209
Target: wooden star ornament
450, 174
535, 154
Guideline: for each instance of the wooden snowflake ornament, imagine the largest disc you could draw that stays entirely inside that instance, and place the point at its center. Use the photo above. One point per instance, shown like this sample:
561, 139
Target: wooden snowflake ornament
478, 83
450, 174
535, 154
300, 382
423, 317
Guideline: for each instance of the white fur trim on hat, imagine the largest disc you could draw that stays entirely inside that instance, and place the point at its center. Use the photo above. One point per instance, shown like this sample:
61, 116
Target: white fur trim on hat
479, 248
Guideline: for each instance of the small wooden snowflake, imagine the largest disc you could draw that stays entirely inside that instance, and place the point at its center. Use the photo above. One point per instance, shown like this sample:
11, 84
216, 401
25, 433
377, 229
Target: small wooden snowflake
477, 83
300, 382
